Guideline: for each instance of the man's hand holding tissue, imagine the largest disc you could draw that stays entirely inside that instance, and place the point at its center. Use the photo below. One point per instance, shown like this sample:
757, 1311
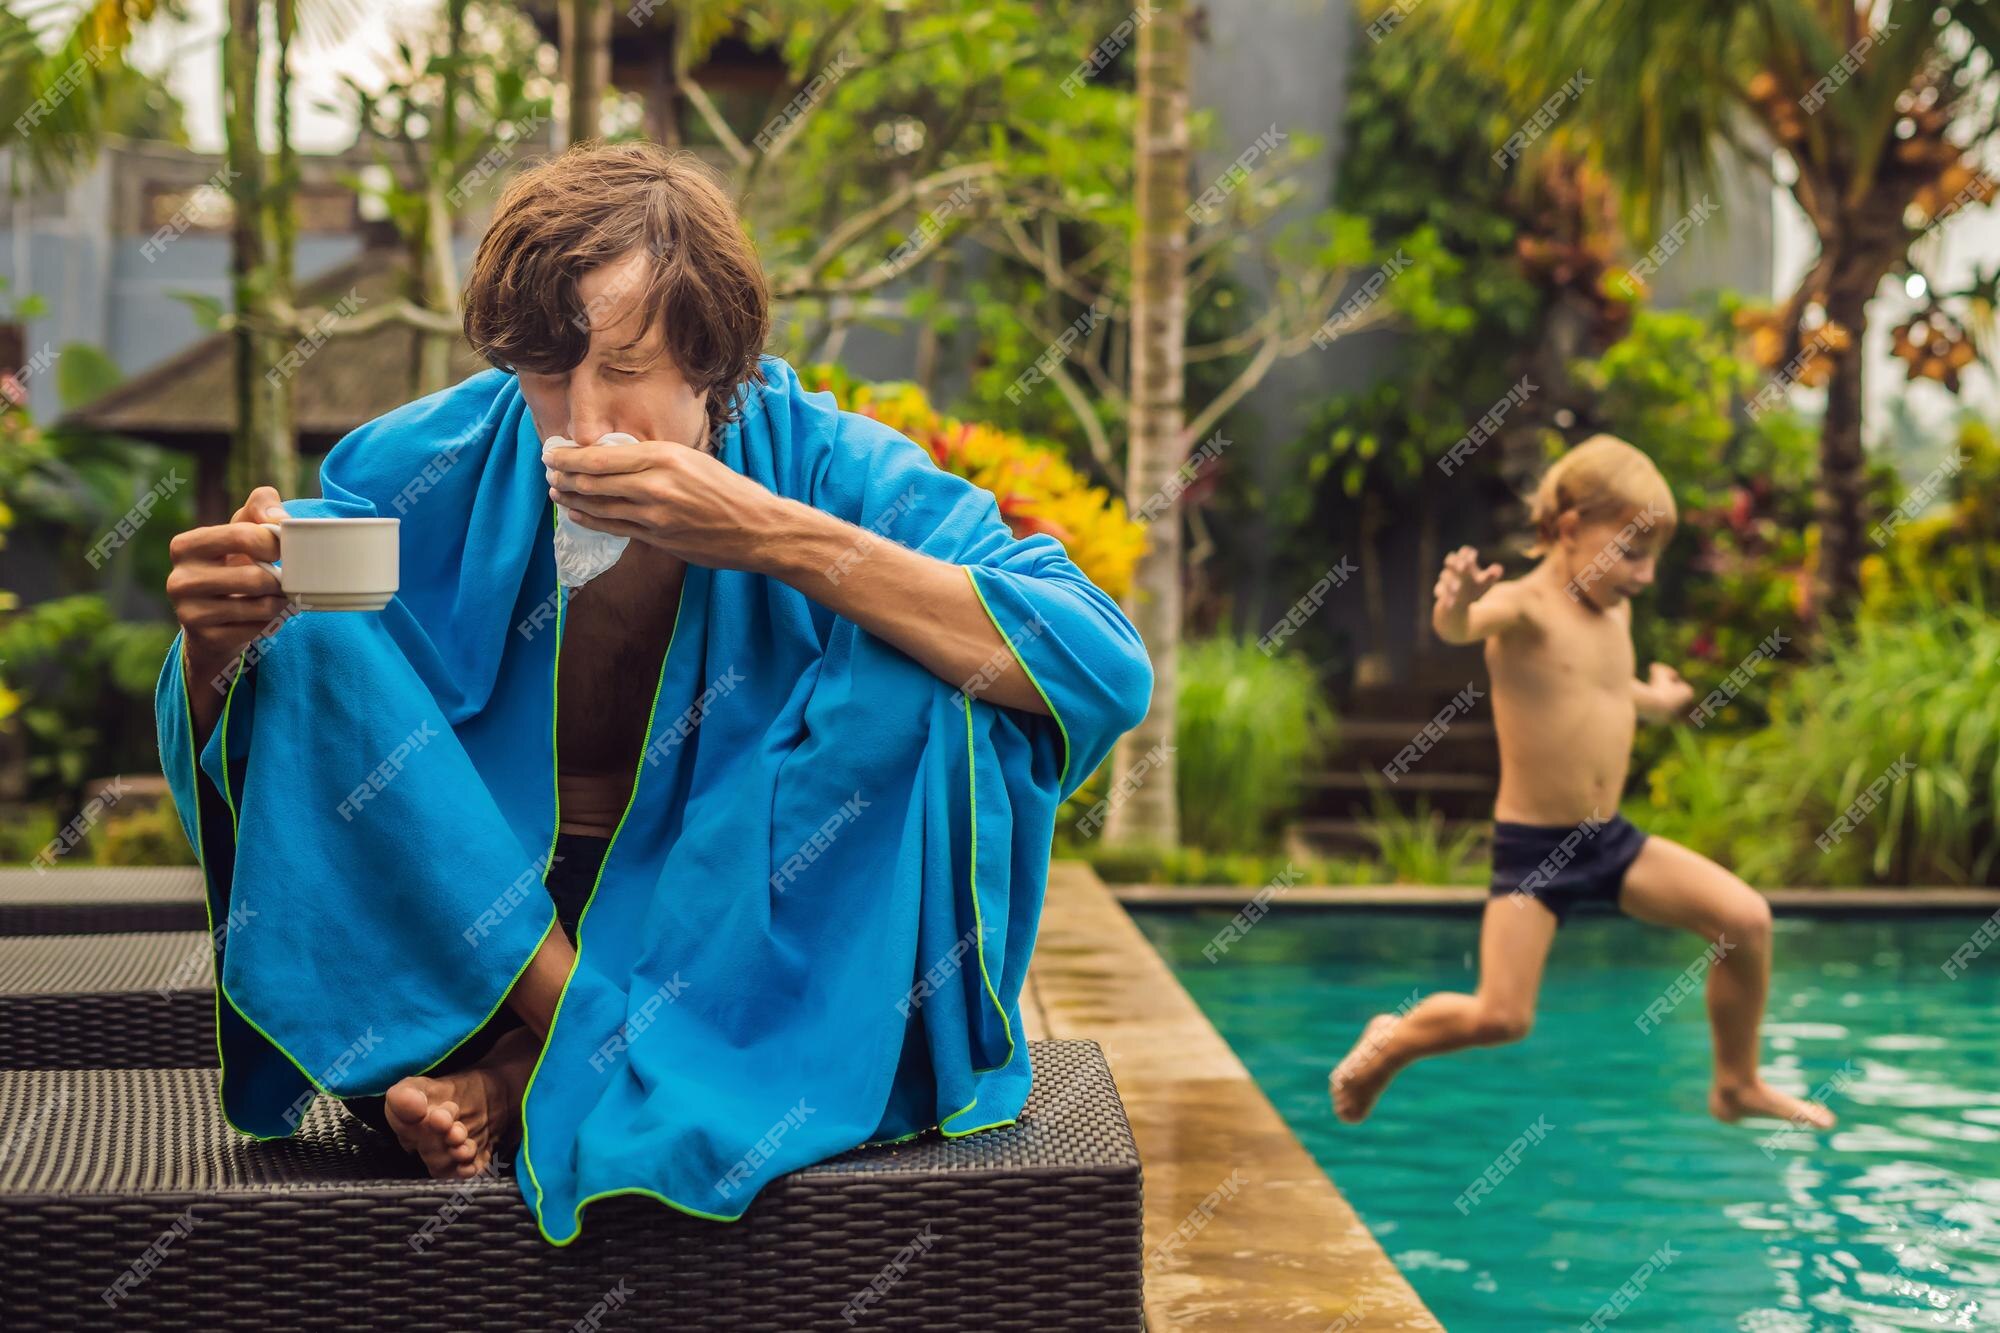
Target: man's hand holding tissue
696, 507
668, 495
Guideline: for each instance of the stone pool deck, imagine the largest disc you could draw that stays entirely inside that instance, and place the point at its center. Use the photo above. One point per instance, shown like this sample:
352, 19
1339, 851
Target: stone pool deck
1244, 1231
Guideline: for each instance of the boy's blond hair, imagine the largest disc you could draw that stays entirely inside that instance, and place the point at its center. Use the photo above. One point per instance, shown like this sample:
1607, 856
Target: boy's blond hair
1603, 477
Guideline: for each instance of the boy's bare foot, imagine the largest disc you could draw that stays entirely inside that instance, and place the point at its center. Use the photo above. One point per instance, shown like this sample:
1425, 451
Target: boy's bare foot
1730, 1104
1359, 1079
457, 1121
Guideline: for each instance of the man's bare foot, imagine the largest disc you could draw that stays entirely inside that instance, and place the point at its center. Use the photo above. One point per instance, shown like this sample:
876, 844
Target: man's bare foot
1359, 1079
457, 1121
1730, 1104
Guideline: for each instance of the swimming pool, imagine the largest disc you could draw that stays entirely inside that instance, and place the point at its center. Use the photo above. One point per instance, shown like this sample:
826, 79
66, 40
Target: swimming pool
1520, 1187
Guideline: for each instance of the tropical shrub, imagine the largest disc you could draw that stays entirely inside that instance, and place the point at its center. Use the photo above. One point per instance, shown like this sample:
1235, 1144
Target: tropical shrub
1881, 763
88, 684
1250, 726
25, 830
1944, 537
149, 835
1191, 866
1037, 488
1416, 848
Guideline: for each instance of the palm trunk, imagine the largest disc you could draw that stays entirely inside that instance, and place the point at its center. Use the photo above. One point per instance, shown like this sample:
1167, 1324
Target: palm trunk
1842, 496
583, 29
1159, 408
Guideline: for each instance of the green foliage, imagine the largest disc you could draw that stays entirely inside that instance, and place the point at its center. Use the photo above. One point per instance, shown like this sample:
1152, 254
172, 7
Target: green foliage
1952, 544
1191, 866
150, 835
1417, 172
1919, 683
82, 373
1671, 83
1249, 727
88, 679
500, 103
1138, 864
59, 101
25, 830
1420, 175
1415, 848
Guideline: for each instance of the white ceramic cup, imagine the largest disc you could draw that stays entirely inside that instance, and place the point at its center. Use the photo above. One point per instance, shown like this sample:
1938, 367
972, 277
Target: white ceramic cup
337, 564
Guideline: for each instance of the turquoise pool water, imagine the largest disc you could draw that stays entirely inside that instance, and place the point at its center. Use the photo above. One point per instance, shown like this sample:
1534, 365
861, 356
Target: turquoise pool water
1891, 1221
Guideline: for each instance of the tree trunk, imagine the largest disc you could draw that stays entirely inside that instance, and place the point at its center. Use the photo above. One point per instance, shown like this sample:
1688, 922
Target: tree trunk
1426, 641
256, 457
1371, 664
583, 29
1158, 406
281, 230
1842, 495
663, 100
438, 267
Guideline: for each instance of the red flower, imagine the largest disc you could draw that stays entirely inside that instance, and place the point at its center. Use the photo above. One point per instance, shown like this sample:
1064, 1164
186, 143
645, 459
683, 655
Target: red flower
1740, 508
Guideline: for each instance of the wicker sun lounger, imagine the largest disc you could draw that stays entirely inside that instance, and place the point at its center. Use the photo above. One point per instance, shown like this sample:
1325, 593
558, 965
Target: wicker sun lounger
78, 901
107, 1001
125, 1201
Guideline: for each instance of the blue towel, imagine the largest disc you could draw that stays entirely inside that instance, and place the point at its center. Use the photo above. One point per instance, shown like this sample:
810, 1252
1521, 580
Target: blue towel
814, 921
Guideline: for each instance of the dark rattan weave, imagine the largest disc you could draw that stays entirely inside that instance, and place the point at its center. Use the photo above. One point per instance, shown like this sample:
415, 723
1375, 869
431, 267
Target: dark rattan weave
107, 1001
1032, 1227
80, 901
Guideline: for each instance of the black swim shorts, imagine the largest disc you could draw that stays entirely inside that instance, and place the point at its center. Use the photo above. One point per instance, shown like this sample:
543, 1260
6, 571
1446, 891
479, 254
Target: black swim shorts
1562, 865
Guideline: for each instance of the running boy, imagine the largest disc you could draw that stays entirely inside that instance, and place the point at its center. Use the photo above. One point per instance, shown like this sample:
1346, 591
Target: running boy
1565, 703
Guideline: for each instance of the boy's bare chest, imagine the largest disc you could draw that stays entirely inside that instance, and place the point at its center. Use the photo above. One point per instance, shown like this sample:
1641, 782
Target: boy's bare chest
1572, 653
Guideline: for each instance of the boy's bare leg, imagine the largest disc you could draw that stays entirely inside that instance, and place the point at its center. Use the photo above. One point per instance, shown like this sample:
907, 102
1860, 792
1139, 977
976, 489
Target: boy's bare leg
1514, 942
457, 1121
1669, 885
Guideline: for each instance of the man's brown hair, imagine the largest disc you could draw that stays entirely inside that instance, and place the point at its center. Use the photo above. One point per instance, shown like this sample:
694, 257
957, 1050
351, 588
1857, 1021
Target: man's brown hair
593, 205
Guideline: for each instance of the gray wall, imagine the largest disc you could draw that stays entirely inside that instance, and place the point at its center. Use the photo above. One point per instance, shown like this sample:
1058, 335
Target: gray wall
83, 249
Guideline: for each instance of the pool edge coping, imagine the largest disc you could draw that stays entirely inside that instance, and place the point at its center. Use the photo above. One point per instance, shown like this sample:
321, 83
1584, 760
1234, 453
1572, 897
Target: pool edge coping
1468, 898
1293, 1255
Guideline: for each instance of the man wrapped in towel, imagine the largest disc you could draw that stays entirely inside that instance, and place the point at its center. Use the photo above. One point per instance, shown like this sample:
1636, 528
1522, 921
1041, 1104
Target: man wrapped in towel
687, 813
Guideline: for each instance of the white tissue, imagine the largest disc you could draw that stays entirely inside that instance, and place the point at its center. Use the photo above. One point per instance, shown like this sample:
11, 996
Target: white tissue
584, 553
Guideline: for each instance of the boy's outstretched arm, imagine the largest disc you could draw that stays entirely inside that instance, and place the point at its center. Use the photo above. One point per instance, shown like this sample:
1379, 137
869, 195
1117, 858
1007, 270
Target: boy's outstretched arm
1467, 606
1663, 695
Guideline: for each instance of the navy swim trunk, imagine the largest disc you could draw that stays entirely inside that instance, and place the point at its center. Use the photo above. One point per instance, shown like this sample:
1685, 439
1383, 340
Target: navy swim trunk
1563, 865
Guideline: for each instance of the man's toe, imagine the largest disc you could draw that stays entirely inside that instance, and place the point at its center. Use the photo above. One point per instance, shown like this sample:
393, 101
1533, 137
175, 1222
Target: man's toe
441, 1118
406, 1103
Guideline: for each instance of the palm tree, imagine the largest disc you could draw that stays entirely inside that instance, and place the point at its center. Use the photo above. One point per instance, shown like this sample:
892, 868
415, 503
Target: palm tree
1877, 112
69, 89
57, 104
1158, 403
